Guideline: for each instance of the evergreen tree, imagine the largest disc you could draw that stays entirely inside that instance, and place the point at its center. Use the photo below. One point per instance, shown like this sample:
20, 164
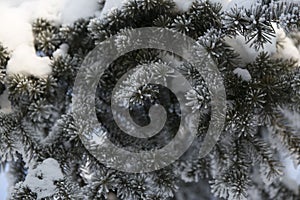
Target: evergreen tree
40, 138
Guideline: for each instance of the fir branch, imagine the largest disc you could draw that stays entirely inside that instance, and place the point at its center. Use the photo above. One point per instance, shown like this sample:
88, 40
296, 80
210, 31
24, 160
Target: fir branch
262, 154
233, 182
287, 134
255, 23
23, 193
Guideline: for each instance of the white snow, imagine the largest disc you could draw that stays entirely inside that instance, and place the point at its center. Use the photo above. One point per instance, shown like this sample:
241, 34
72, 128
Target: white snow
25, 61
288, 49
73, 10
62, 51
13, 30
16, 17
243, 73
183, 5
41, 179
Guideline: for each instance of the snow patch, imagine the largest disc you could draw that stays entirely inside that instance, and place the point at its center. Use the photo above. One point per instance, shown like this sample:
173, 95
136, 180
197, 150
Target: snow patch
41, 179
287, 48
62, 51
243, 73
183, 5
13, 30
25, 61
73, 10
